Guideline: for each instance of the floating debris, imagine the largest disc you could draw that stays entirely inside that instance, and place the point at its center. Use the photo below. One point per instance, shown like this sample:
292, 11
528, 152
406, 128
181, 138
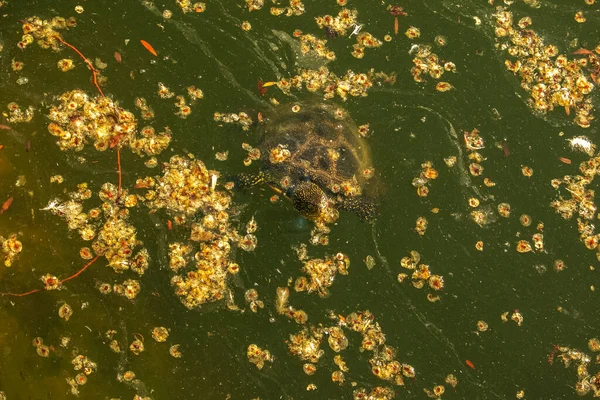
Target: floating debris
551, 79
344, 20
295, 8
370, 262
45, 32
586, 382
241, 119
79, 119
351, 84
321, 274
11, 247
65, 311
583, 144
251, 297
428, 63
258, 356
428, 173
421, 273
310, 44
16, 114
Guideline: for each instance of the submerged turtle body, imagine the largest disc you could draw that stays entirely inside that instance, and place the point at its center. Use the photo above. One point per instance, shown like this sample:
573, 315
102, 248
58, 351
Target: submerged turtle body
315, 156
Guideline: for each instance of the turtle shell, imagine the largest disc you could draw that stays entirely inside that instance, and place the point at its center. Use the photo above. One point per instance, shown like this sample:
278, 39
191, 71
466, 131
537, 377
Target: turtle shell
315, 142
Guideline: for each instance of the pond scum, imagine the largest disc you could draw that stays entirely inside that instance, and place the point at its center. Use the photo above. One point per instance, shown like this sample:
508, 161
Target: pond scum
195, 197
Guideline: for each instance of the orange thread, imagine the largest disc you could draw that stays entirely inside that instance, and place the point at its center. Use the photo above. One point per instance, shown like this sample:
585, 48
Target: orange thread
87, 61
95, 77
86, 266
20, 294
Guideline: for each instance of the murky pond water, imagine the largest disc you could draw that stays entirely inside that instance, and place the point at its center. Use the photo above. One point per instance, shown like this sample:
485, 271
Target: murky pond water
290, 200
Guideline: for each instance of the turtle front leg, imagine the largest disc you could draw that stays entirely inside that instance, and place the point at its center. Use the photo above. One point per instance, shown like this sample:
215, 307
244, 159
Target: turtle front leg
364, 207
245, 181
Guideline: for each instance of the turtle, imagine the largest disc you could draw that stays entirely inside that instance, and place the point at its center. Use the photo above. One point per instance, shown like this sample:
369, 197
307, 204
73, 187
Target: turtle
313, 154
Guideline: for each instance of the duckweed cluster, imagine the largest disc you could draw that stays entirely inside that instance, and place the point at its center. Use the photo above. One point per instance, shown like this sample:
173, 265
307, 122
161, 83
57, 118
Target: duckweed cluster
587, 382
45, 32
576, 198
188, 189
11, 247
322, 80
551, 78
79, 119
321, 274
16, 114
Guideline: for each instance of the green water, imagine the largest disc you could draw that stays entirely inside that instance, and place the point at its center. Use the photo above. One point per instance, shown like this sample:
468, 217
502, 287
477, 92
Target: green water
411, 124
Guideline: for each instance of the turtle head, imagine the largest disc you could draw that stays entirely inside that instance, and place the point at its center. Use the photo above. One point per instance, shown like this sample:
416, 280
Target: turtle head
308, 199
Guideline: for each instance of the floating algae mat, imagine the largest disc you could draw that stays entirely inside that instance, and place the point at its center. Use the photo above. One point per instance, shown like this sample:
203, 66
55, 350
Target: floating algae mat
286, 199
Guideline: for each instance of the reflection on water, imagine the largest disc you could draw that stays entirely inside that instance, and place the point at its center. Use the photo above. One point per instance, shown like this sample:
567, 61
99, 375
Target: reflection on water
300, 225
134, 267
